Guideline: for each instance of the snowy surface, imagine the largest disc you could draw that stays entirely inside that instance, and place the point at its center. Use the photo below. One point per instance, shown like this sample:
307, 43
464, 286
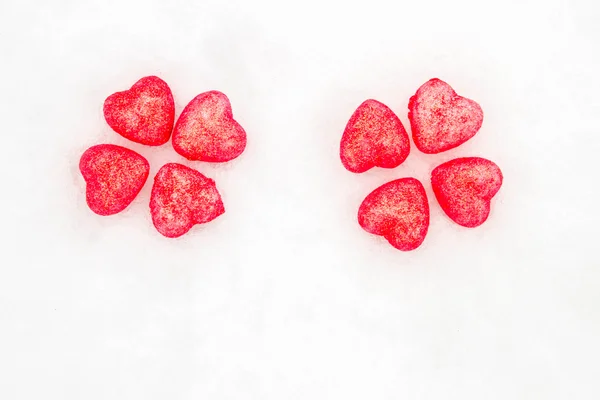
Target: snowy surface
284, 296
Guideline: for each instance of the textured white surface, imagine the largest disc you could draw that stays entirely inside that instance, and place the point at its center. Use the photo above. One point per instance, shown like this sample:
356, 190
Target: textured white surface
284, 296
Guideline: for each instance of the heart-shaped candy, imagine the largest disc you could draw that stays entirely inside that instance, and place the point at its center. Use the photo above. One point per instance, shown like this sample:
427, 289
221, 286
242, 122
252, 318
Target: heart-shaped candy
206, 130
440, 119
143, 114
374, 137
114, 176
398, 211
181, 198
464, 188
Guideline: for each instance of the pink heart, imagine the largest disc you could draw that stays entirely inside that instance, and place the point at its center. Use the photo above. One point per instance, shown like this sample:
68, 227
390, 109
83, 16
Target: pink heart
143, 114
398, 211
114, 176
440, 119
181, 198
374, 137
464, 187
206, 130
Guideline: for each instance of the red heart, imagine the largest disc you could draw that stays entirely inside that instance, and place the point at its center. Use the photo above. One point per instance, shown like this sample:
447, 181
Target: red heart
464, 188
398, 211
206, 130
144, 114
181, 198
114, 176
374, 137
440, 119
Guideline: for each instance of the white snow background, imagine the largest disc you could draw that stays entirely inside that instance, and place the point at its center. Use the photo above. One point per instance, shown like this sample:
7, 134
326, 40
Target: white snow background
285, 296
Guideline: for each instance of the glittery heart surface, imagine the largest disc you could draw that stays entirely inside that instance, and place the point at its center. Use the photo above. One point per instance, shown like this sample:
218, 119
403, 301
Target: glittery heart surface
181, 198
143, 114
114, 176
374, 137
440, 119
464, 187
398, 211
206, 130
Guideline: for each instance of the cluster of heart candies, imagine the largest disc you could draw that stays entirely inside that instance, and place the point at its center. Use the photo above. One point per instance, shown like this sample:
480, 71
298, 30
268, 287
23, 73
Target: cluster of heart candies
181, 197
440, 120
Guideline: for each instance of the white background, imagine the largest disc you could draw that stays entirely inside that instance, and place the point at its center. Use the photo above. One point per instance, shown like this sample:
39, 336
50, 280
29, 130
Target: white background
284, 296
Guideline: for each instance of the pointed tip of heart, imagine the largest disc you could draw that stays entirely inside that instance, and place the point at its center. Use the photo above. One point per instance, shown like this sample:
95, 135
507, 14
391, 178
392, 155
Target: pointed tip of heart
464, 188
441, 119
144, 114
398, 211
114, 176
374, 137
181, 198
207, 131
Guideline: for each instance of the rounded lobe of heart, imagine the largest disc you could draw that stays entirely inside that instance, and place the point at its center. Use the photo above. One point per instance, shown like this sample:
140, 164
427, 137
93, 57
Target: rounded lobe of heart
440, 119
398, 211
143, 114
206, 130
374, 137
181, 198
464, 188
114, 176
